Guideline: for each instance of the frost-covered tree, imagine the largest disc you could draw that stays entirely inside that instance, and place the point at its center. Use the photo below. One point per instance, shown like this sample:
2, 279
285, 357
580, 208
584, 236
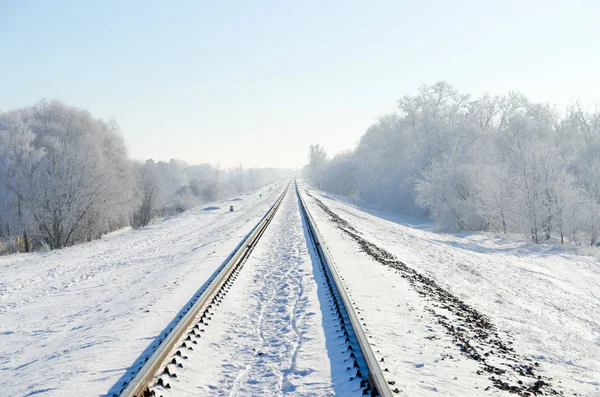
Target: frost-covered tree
339, 175
67, 175
495, 163
447, 190
186, 186
317, 160
148, 194
237, 178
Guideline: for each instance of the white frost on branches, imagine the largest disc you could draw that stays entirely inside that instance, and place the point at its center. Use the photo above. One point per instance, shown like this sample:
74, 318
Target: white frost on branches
65, 176
494, 163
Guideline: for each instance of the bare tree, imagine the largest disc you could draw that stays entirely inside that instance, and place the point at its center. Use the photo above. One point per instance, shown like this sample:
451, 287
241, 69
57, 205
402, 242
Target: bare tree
149, 190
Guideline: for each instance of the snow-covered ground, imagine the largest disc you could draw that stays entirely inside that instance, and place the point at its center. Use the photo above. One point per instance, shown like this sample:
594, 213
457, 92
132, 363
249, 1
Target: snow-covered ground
543, 302
274, 332
74, 321
78, 321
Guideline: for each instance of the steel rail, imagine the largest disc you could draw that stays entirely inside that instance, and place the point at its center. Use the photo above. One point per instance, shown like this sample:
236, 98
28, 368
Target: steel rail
140, 383
376, 378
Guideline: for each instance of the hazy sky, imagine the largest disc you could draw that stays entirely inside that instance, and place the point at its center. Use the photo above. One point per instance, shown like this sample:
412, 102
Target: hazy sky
256, 82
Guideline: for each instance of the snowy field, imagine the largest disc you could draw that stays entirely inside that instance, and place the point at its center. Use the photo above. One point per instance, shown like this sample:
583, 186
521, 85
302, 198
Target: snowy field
543, 304
74, 321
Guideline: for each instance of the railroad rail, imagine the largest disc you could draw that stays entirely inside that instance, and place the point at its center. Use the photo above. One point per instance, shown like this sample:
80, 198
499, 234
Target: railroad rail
143, 385
376, 379
140, 386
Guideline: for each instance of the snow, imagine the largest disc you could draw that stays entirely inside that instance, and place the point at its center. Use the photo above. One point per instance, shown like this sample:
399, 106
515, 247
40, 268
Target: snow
79, 321
543, 299
274, 332
76, 321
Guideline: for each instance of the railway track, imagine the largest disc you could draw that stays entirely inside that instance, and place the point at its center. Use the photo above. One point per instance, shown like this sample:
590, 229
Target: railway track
161, 366
377, 385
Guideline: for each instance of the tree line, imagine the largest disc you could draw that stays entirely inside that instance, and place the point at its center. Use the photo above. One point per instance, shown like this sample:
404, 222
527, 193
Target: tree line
493, 163
66, 177
185, 186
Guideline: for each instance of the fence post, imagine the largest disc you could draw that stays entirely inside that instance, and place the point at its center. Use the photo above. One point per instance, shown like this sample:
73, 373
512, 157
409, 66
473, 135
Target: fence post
26, 241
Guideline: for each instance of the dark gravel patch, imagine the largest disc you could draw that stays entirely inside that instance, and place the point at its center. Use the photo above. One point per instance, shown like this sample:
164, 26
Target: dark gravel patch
471, 331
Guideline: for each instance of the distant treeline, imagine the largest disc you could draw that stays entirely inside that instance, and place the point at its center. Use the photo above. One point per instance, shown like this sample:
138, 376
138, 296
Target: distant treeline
186, 185
493, 163
66, 177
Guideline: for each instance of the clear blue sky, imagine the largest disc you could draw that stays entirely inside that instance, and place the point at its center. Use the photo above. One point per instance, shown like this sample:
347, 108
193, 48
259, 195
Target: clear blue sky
256, 82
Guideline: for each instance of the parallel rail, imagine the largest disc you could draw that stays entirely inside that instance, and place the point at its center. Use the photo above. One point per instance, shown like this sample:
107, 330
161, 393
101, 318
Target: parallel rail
376, 378
139, 385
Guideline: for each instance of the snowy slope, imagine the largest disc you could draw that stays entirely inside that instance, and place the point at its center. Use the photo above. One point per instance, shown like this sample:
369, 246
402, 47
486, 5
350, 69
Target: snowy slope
543, 302
73, 321
274, 333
